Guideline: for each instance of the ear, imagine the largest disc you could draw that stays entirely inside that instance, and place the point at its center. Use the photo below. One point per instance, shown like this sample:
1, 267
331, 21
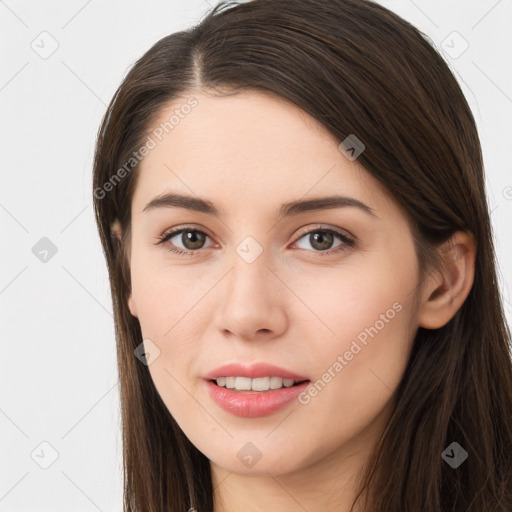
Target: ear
116, 231
132, 306
446, 289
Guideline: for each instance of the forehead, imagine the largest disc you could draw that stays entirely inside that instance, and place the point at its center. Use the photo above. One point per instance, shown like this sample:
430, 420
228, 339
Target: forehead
251, 150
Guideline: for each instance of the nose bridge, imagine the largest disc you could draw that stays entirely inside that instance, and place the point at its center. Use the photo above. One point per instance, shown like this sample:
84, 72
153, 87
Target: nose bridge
249, 301
250, 273
251, 246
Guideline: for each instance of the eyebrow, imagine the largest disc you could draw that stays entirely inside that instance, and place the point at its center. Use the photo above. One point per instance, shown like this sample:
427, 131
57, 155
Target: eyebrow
292, 208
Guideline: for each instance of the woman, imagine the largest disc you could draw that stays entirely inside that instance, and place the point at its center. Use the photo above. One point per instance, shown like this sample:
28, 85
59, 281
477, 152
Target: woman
290, 196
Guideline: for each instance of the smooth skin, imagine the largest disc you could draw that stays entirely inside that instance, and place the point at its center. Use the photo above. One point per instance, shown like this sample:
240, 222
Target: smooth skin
292, 306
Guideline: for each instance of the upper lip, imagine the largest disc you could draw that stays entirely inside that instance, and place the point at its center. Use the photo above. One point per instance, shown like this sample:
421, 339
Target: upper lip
253, 371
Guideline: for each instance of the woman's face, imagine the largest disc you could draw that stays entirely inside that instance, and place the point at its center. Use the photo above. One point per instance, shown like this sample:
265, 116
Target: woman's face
258, 287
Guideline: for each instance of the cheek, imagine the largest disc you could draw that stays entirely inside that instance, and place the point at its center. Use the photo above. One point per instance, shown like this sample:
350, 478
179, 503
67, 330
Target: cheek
171, 311
359, 365
167, 317
357, 296
166, 296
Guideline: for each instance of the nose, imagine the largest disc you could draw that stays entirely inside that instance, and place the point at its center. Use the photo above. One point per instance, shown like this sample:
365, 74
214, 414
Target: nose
252, 301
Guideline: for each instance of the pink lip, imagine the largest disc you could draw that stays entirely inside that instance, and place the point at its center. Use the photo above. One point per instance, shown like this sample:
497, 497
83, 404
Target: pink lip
254, 371
252, 404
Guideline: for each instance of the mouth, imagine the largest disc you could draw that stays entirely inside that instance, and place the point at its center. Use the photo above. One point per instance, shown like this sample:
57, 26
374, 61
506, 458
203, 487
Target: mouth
257, 385
251, 403
255, 390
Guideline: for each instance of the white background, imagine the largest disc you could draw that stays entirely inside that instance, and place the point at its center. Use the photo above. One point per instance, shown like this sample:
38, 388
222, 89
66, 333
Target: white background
58, 381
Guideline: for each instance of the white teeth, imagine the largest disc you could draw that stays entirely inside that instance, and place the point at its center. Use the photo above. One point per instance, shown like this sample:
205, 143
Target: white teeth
258, 384
276, 382
243, 383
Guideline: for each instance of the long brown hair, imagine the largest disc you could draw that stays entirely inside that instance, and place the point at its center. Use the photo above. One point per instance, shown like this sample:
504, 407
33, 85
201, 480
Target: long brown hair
359, 69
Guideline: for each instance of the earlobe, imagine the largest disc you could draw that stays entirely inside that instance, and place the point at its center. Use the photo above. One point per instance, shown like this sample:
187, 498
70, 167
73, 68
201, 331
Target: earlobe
116, 233
131, 306
115, 229
446, 289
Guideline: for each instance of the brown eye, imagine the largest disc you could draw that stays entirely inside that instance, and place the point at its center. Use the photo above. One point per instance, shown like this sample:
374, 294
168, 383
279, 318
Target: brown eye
193, 239
190, 239
321, 241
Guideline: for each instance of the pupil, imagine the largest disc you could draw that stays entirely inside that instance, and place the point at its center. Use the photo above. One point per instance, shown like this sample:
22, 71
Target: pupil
322, 235
194, 237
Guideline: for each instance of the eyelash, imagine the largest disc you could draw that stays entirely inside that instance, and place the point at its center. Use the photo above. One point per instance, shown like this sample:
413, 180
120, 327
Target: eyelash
348, 242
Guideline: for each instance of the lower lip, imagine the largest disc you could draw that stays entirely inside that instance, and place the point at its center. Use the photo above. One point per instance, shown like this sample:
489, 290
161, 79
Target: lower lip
254, 404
